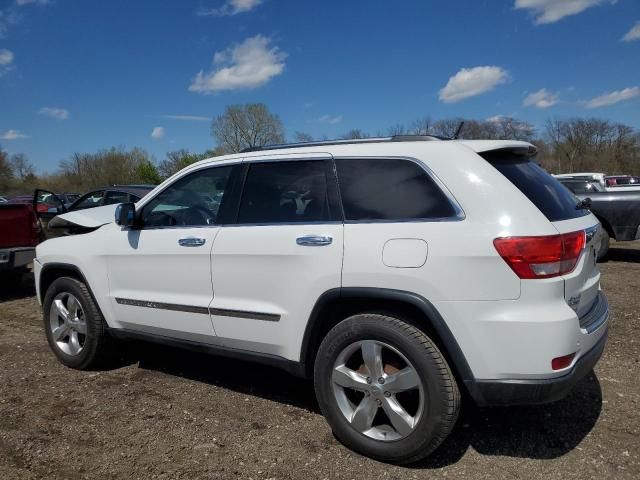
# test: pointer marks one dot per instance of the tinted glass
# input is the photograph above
(193, 200)
(545, 192)
(90, 200)
(116, 197)
(390, 189)
(285, 192)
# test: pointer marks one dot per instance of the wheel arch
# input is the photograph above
(606, 225)
(337, 304)
(52, 271)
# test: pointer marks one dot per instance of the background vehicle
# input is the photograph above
(395, 271)
(20, 232)
(610, 183)
(618, 210)
(95, 198)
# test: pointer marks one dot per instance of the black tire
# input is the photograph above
(98, 350)
(441, 393)
(603, 251)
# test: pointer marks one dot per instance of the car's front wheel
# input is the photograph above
(75, 327)
(385, 388)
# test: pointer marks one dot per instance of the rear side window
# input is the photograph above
(554, 200)
(389, 189)
(285, 192)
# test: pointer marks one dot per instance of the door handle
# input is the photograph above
(191, 242)
(314, 240)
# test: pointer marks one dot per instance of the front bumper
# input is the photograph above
(538, 391)
(13, 258)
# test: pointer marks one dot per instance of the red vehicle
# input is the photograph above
(20, 232)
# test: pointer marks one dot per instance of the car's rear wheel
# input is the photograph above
(74, 326)
(385, 388)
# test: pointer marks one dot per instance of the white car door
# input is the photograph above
(160, 272)
(284, 251)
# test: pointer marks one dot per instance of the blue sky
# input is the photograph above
(84, 75)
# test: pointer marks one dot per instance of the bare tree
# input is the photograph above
(446, 127)
(22, 168)
(397, 129)
(302, 137)
(6, 173)
(420, 126)
(246, 126)
(354, 134)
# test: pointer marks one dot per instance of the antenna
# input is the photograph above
(458, 130)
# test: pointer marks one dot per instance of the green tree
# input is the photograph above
(146, 172)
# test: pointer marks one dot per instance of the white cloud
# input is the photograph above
(541, 99)
(249, 64)
(609, 98)
(27, 2)
(496, 118)
(550, 11)
(193, 118)
(13, 135)
(330, 119)
(157, 133)
(6, 57)
(53, 112)
(307, 105)
(633, 34)
(230, 7)
(469, 82)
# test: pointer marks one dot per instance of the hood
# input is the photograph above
(89, 218)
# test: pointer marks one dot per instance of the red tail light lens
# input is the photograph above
(541, 257)
(559, 363)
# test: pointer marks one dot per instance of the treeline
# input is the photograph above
(564, 145)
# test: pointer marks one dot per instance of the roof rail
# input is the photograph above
(394, 138)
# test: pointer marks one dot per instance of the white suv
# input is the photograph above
(398, 273)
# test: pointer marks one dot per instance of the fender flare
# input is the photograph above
(431, 315)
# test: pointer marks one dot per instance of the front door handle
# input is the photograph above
(314, 240)
(191, 242)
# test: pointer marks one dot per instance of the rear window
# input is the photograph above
(545, 192)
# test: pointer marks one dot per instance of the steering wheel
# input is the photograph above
(197, 215)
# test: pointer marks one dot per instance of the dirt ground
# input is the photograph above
(172, 414)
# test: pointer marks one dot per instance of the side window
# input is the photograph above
(90, 200)
(389, 189)
(285, 192)
(193, 200)
(116, 197)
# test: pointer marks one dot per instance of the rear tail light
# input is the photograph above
(559, 363)
(541, 257)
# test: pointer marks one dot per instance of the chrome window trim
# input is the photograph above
(164, 227)
(459, 212)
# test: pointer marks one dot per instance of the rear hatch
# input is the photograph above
(562, 209)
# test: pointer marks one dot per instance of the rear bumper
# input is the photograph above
(12, 258)
(539, 391)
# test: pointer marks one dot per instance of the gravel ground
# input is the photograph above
(171, 414)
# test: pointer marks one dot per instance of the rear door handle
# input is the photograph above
(191, 242)
(314, 240)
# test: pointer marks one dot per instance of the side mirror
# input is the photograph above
(126, 214)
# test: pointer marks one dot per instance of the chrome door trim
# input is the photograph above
(314, 240)
(223, 312)
(162, 306)
(192, 241)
